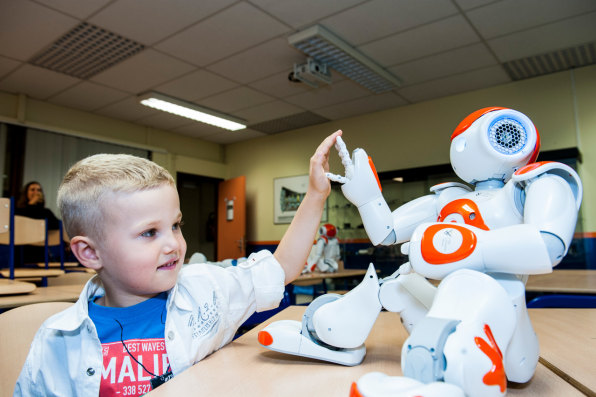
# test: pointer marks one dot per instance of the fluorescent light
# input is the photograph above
(324, 46)
(191, 111)
(398, 179)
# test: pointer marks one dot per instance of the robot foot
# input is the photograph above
(285, 336)
(377, 384)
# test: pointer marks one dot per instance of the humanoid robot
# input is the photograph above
(472, 333)
(325, 254)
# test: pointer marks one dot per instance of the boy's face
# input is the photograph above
(143, 248)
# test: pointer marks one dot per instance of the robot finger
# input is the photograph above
(336, 178)
(344, 155)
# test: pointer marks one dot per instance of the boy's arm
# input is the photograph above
(297, 242)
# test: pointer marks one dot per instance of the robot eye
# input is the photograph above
(507, 135)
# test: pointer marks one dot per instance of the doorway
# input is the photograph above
(198, 203)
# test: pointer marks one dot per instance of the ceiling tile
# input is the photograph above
(76, 8)
(554, 36)
(267, 111)
(469, 4)
(36, 82)
(476, 56)
(128, 109)
(439, 36)
(87, 96)
(139, 72)
(369, 104)
(500, 18)
(279, 86)
(7, 66)
(199, 130)
(264, 60)
(473, 80)
(148, 21)
(196, 85)
(329, 95)
(380, 18)
(238, 98)
(224, 34)
(19, 18)
(233, 136)
(165, 121)
(303, 12)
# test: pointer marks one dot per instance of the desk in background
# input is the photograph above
(63, 293)
(245, 368)
(564, 281)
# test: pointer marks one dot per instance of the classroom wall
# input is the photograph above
(562, 106)
(175, 152)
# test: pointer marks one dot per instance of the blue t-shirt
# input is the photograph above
(133, 345)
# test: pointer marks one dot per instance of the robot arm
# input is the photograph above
(556, 216)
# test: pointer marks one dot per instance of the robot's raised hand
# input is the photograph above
(344, 155)
(360, 184)
(362, 188)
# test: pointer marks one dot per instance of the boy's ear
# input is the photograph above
(84, 249)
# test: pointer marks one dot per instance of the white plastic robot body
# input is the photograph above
(473, 332)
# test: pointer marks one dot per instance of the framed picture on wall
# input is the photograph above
(288, 193)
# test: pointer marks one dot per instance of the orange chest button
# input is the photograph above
(447, 243)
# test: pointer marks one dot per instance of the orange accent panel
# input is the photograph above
(496, 375)
(431, 255)
(467, 122)
(536, 148)
(531, 167)
(372, 166)
(265, 338)
(354, 392)
(467, 209)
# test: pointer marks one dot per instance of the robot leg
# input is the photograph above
(462, 338)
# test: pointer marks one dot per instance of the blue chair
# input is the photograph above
(563, 301)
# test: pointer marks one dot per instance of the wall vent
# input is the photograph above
(85, 51)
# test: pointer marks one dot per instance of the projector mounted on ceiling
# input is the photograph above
(311, 73)
(327, 49)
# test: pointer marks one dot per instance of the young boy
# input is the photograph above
(143, 320)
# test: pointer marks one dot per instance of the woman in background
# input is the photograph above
(31, 203)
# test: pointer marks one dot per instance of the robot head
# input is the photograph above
(492, 143)
(328, 230)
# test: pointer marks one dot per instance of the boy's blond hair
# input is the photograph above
(81, 193)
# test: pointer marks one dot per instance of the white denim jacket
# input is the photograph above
(205, 308)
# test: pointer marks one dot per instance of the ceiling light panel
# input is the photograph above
(326, 47)
(191, 111)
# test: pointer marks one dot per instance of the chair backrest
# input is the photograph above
(26, 231)
(72, 278)
(17, 328)
(4, 215)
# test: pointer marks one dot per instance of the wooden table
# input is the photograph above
(32, 273)
(245, 368)
(14, 287)
(62, 293)
(568, 344)
(320, 276)
(581, 281)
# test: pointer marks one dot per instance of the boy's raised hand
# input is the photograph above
(319, 165)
